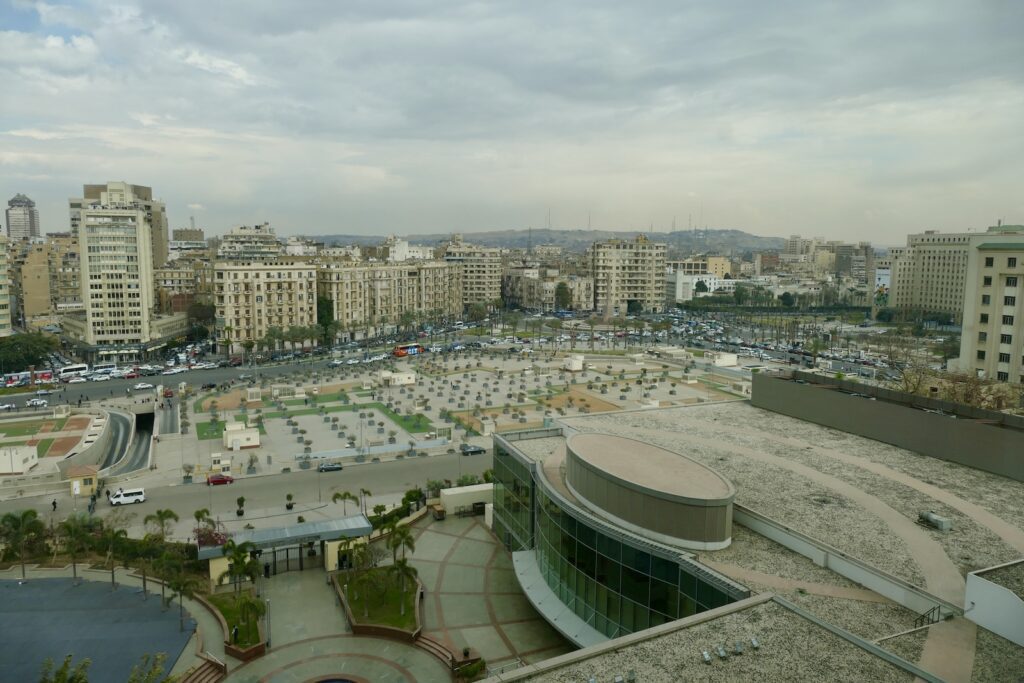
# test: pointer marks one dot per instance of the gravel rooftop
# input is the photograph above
(1010, 577)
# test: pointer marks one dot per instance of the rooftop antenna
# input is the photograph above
(529, 240)
(673, 223)
(588, 220)
(549, 218)
(192, 221)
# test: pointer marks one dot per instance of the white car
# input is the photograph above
(435, 349)
(8, 406)
(37, 403)
(352, 361)
(143, 385)
(77, 380)
(173, 371)
(99, 378)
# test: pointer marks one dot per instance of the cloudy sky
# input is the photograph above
(847, 120)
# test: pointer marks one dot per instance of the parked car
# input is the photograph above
(471, 449)
(8, 406)
(168, 393)
(99, 378)
(329, 467)
(37, 403)
(127, 496)
(208, 385)
(77, 380)
(217, 479)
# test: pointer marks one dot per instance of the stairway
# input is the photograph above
(206, 672)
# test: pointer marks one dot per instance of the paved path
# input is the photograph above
(743, 575)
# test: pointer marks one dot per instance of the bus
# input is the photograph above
(69, 371)
(104, 368)
(408, 350)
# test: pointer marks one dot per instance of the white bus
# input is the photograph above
(69, 371)
(104, 368)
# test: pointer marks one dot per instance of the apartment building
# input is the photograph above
(30, 296)
(250, 243)
(250, 297)
(719, 266)
(65, 273)
(176, 286)
(681, 288)
(536, 289)
(5, 291)
(369, 296)
(928, 276)
(115, 232)
(481, 270)
(992, 341)
(629, 276)
(397, 250)
(188, 235)
(22, 218)
(119, 193)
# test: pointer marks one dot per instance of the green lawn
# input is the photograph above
(384, 606)
(205, 430)
(30, 428)
(43, 446)
(248, 634)
(305, 411)
(410, 423)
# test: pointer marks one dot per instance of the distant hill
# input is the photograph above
(723, 241)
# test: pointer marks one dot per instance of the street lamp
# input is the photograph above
(268, 623)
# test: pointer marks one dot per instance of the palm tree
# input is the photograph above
(226, 335)
(363, 495)
(406, 320)
(344, 497)
(202, 517)
(166, 566)
(275, 335)
(75, 530)
(160, 521)
(592, 323)
(241, 564)
(402, 571)
(113, 533)
(184, 585)
(19, 530)
(250, 609)
(401, 538)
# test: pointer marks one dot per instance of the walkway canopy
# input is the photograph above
(296, 534)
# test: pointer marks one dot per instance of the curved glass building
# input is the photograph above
(599, 525)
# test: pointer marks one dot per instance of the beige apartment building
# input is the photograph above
(252, 296)
(119, 323)
(250, 243)
(629, 276)
(719, 266)
(119, 193)
(44, 277)
(929, 274)
(992, 341)
(370, 296)
(481, 270)
(5, 291)
(535, 288)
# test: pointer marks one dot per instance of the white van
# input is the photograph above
(128, 496)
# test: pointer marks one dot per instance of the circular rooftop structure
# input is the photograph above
(651, 491)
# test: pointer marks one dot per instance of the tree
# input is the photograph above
(183, 585)
(344, 497)
(787, 299)
(75, 530)
(150, 669)
(20, 351)
(226, 336)
(65, 674)
(247, 347)
(403, 572)
(363, 495)
(401, 538)
(114, 533)
(20, 531)
(701, 287)
(201, 314)
(406, 320)
(241, 564)
(592, 324)
(250, 609)
(477, 312)
(563, 296)
(741, 295)
(324, 313)
(160, 520)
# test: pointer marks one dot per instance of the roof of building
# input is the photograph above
(650, 467)
(1001, 246)
(329, 530)
(76, 471)
(1010, 576)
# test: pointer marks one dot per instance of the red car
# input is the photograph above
(218, 479)
(168, 393)
(134, 374)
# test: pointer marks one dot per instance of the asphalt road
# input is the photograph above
(268, 492)
(121, 427)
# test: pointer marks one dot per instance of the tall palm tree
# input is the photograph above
(166, 566)
(363, 495)
(202, 517)
(402, 571)
(241, 564)
(401, 538)
(160, 520)
(20, 530)
(75, 530)
(113, 534)
(344, 497)
(226, 335)
(183, 585)
(592, 323)
(250, 609)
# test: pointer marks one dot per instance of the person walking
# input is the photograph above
(54, 504)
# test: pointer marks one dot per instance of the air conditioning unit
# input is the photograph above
(935, 521)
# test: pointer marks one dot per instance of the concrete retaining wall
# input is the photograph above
(995, 607)
(986, 440)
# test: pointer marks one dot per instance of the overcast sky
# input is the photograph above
(846, 120)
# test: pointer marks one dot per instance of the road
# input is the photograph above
(386, 481)
(121, 427)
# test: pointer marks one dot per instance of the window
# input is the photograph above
(984, 318)
(986, 299)
(1004, 358)
(1006, 339)
(983, 336)
(989, 261)
(1011, 282)
(1007, 319)
(1009, 301)
(1003, 376)
(1011, 262)
(986, 281)
(981, 355)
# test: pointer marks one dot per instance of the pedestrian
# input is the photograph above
(54, 504)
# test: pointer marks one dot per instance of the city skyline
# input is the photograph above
(774, 121)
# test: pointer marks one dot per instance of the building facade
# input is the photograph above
(121, 194)
(250, 243)
(719, 266)
(368, 296)
(6, 310)
(253, 296)
(992, 341)
(22, 218)
(928, 276)
(119, 320)
(629, 276)
(536, 289)
(481, 270)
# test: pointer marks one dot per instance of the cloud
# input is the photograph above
(196, 207)
(418, 117)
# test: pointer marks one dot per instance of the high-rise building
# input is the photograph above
(481, 270)
(369, 296)
(119, 193)
(22, 218)
(629, 276)
(31, 281)
(719, 266)
(928, 275)
(116, 229)
(252, 296)
(249, 243)
(5, 291)
(992, 341)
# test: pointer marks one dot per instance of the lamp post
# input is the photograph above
(268, 623)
